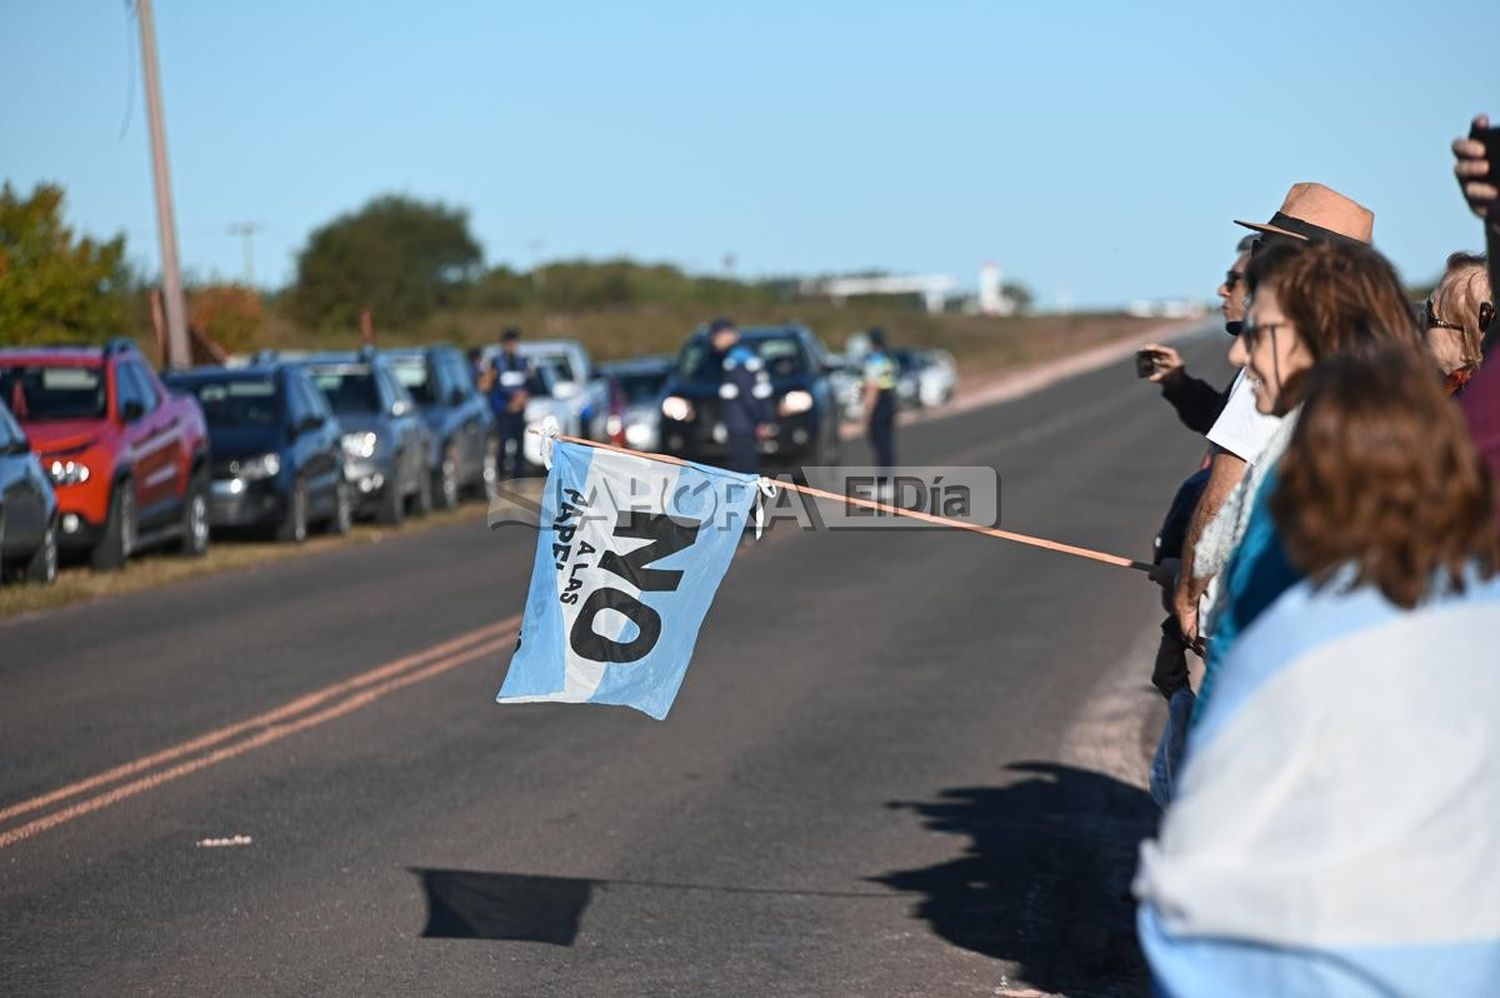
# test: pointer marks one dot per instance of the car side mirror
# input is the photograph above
(457, 397)
(308, 424)
(132, 410)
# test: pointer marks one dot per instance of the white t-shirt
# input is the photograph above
(1241, 429)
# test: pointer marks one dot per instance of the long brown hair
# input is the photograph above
(1380, 474)
(1343, 297)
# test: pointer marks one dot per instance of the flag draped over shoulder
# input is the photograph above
(1336, 828)
(630, 555)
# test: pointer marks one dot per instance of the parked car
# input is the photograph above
(571, 377)
(847, 381)
(464, 438)
(387, 445)
(804, 427)
(635, 392)
(128, 459)
(278, 456)
(28, 509)
(543, 405)
(909, 366)
(937, 381)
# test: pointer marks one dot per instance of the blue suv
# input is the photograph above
(387, 446)
(464, 437)
(804, 427)
(277, 449)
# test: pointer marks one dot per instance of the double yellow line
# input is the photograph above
(148, 772)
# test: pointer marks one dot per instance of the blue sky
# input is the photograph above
(1095, 150)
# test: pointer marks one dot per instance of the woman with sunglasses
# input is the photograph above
(1456, 318)
(1309, 302)
(1333, 831)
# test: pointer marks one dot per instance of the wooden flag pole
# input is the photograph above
(942, 521)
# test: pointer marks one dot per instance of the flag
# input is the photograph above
(1334, 829)
(630, 554)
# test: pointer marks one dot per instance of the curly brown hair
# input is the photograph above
(1380, 474)
(1343, 297)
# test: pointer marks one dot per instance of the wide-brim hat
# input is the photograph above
(1313, 211)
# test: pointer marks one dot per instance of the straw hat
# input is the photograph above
(1313, 211)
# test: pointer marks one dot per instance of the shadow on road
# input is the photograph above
(1044, 882)
(463, 904)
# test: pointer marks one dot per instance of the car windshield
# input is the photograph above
(557, 365)
(782, 355)
(908, 360)
(641, 387)
(348, 388)
(237, 401)
(43, 391)
(412, 372)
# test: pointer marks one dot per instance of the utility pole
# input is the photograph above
(246, 231)
(178, 354)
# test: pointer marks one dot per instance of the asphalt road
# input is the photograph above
(900, 763)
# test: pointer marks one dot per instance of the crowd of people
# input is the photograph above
(1330, 767)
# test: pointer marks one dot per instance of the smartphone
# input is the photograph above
(1146, 363)
(1491, 139)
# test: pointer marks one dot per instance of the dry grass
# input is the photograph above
(76, 584)
(980, 343)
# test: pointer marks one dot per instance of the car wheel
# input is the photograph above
(113, 548)
(293, 526)
(490, 475)
(342, 520)
(421, 500)
(447, 483)
(392, 506)
(194, 542)
(42, 568)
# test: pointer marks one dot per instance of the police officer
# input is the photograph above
(745, 392)
(507, 390)
(880, 405)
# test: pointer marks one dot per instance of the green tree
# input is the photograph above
(53, 284)
(399, 257)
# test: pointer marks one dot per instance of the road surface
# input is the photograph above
(903, 763)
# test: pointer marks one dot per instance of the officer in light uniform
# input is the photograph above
(880, 406)
(745, 393)
(508, 394)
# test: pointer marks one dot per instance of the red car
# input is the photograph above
(128, 459)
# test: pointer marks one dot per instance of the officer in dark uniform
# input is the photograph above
(880, 405)
(745, 394)
(508, 394)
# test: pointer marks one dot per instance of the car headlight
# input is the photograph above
(68, 472)
(360, 445)
(676, 407)
(613, 424)
(638, 434)
(256, 468)
(796, 401)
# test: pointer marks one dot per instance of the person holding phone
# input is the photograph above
(1197, 402)
(1478, 173)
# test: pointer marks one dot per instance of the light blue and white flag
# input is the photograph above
(630, 555)
(1336, 827)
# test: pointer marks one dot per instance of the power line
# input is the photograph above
(246, 231)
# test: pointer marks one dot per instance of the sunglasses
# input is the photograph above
(1232, 279)
(1251, 333)
(1431, 321)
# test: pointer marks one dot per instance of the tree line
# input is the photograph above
(399, 258)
